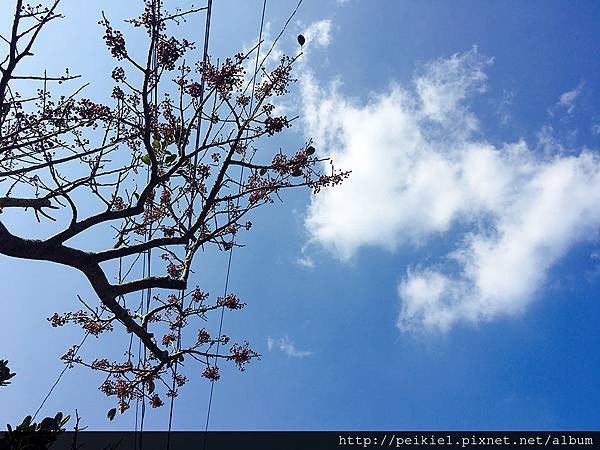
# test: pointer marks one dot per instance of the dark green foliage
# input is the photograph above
(5, 373)
(31, 435)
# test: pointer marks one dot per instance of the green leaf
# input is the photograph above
(170, 159)
(146, 159)
(301, 40)
(48, 423)
(150, 386)
(263, 171)
(111, 413)
(26, 422)
(297, 173)
(156, 143)
(310, 150)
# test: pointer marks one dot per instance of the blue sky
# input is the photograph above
(451, 283)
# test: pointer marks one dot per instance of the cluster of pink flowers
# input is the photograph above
(211, 372)
(171, 130)
(165, 197)
(87, 109)
(169, 338)
(277, 81)
(180, 380)
(231, 301)
(243, 100)
(276, 124)
(116, 384)
(168, 231)
(203, 337)
(57, 320)
(242, 354)
(118, 203)
(174, 271)
(194, 89)
(170, 50)
(225, 78)
(148, 18)
(117, 93)
(199, 296)
(118, 74)
(99, 364)
(70, 355)
(329, 180)
(156, 402)
(94, 326)
(114, 40)
(261, 189)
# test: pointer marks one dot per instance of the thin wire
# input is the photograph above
(155, 36)
(59, 377)
(62, 372)
(198, 128)
(212, 385)
(137, 404)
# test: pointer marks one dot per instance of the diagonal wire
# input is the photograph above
(59, 377)
(198, 130)
(212, 385)
(156, 4)
(78, 347)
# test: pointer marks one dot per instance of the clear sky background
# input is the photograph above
(452, 283)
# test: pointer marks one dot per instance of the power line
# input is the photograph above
(197, 143)
(77, 348)
(156, 4)
(212, 385)
(67, 365)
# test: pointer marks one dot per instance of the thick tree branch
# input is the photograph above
(149, 283)
(36, 203)
(138, 248)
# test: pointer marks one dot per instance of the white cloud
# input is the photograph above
(418, 171)
(504, 106)
(268, 47)
(287, 347)
(306, 261)
(446, 83)
(318, 34)
(547, 142)
(567, 99)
